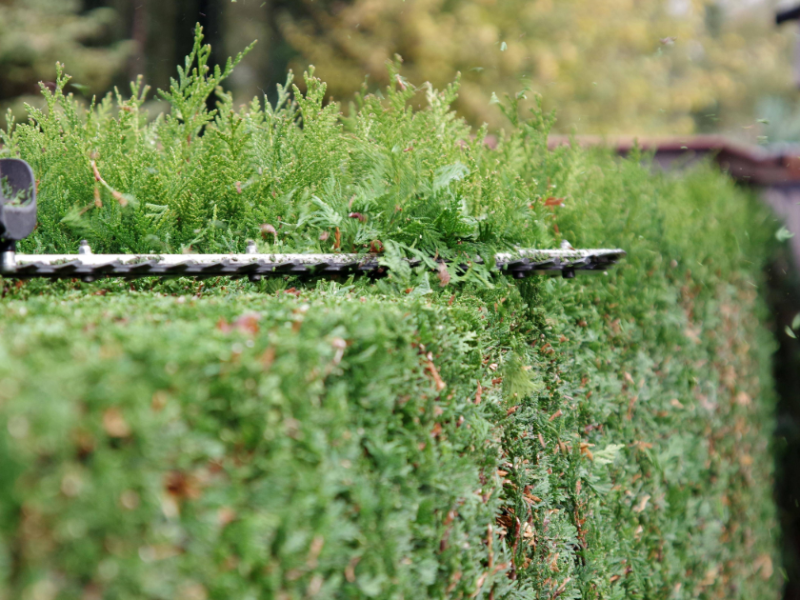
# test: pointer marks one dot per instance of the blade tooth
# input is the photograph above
(367, 266)
(515, 264)
(66, 268)
(240, 268)
(330, 267)
(312, 268)
(334, 268)
(581, 263)
(211, 268)
(36, 268)
(608, 259)
(300, 268)
(193, 269)
(178, 268)
(109, 267)
(138, 268)
(517, 267)
(283, 267)
(545, 265)
(264, 267)
(294, 267)
(230, 267)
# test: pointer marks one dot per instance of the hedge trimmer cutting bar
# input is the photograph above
(89, 266)
(18, 219)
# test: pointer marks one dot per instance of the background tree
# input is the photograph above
(34, 34)
(617, 66)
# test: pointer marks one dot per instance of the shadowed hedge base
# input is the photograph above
(420, 437)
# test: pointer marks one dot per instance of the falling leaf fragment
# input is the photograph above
(642, 504)
(763, 564)
(114, 424)
(267, 229)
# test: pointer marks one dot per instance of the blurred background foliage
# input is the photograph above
(610, 67)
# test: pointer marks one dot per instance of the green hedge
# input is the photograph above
(605, 437)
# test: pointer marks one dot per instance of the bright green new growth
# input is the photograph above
(603, 438)
(210, 179)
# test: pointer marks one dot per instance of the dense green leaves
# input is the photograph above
(460, 436)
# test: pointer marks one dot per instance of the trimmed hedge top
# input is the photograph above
(455, 438)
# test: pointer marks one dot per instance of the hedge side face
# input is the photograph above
(459, 437)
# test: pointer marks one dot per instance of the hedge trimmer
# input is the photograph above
(18, 220)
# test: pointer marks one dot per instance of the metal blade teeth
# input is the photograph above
(89, 267)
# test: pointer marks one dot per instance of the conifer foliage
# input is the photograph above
(429, 435)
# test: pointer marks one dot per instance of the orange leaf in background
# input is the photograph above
(554, 201)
